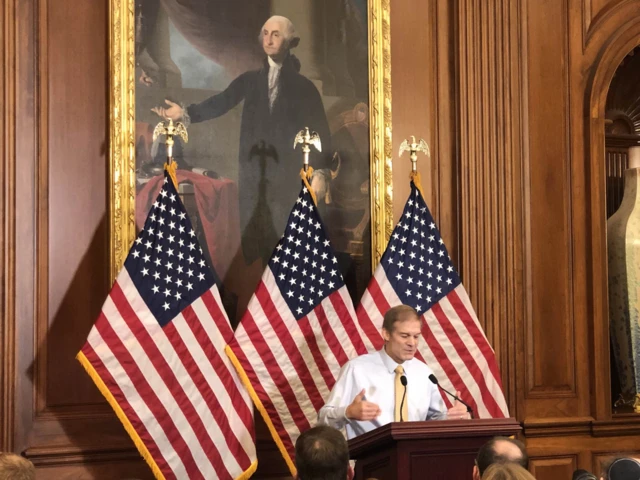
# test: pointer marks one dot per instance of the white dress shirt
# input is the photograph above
(375, 373)
(274, 76)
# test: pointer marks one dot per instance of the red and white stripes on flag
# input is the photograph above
(416, 270)
(157, 355)
(298, 330)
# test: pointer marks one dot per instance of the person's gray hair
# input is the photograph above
(288, 30)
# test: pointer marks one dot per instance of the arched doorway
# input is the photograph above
(604, 189)
(622, 137)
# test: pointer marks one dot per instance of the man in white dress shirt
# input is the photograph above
(364, 396)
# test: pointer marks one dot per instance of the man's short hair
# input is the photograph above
(322, 454)
(15, 467)
(398, 313)
(487, 454)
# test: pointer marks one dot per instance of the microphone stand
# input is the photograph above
(434, 380)
(455, 397)
(403, 381)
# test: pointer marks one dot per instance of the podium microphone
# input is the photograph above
(403, 381)
(434, 380)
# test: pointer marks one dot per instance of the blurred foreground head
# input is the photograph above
(15, 467)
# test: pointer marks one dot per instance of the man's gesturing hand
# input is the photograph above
(458, 411)
(361, 409)
(174, 111)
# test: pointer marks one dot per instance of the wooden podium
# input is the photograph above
(433, 450)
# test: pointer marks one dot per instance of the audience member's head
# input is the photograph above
(15, 467)
(622, 469)
(500, 450)
(506, 471)
(582, 474)
(322, 454)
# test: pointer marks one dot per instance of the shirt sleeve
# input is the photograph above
(437, 410)
(221, 103)
(333, 413)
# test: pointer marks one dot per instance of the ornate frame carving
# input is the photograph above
(122, 125)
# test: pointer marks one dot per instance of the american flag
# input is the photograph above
(156, 353)
(416, 270)
(298, 330)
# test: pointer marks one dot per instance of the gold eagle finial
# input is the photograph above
(413, 148)
(307, 138)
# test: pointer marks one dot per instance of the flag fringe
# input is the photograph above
(306, 176)
(256, 401)
(415, 178)
(248, 472)
(121, 415)
(171, 169)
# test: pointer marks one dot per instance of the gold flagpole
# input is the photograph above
(413, 148)
(169, 130)
(307, 138)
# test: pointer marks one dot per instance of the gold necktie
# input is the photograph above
(399, 392)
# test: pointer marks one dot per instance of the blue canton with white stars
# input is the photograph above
(166, 262)
(416, 261)
(303, 263)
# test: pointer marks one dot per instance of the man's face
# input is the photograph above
(401, 344)
(273, 41)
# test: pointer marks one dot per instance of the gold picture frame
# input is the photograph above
(122, 162)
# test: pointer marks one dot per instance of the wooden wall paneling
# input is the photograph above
(594, 10)
(7, 154)
(422, 58)
(76, 468)
(553, 468)
(445, 160)
(20, 276)
(586, 451)
(551, 371)
(489, 81)
(412, 70)
(600, 460)
(77, 268)
(54, 205)
(72, 268)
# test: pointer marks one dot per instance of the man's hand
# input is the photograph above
(174, 112)
(145, 79)
(458, 411)
(361, 409)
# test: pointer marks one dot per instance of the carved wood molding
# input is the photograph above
(490, 171)
(619, 426)
(557, 466)
(7, 226)
(67, 455)
(557, 427)
(41, 272)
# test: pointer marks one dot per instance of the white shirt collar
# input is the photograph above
(389, 362)
(273, 63)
